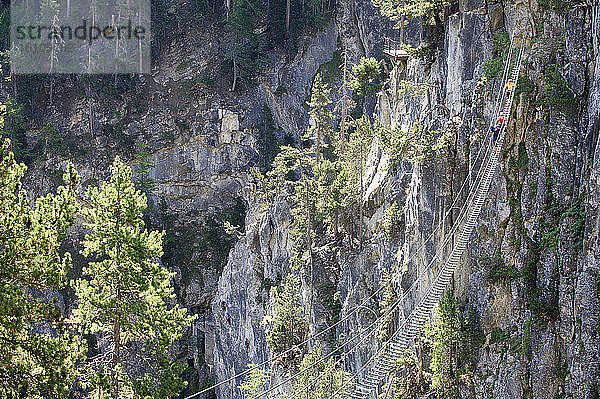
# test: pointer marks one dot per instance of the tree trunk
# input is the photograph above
(360, 200)
(318, 142)
(116, 357)
(287, 18)
(310, 255)
(344, 103)
(234, 75)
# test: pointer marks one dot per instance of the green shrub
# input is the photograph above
(13, 128)
(191, 87)
(51, 142)
(366, 79)
(424, 51)
(543, 307)
(493, 67)
(431, 12)
(560, 6)
(557, 91)
(576, 212)
(416, 145)
(454, 338)
(499, 271)
(391, 220)
(407, 382)
(499, 335)
(524, 85)
(288, 324)
(525, 339)
(331, 70)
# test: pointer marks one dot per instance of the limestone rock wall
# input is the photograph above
(203, 139)
(550, 159)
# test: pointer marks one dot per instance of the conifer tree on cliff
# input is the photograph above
(125, 297)
(320, 101)
(365, 81)
(242, 43)
(37, 352)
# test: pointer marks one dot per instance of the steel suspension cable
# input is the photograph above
(492, 164)
(507, 71)
(464, 209)
(364, 302)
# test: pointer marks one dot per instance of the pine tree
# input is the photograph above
(346, 105)
(365, 80)
(445, 341)
(431, 10)
(37, 351)
(288, 325)
(276, 14)
(143, 181)
(283, 175)
(255, 382)
(323, 377)
(49, 11)
(353, 163)
(126, 297)
(329, 198)
(320, 100)
(13, 129)
(242, 43)
(386, 304)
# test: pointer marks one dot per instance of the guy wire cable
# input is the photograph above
(365, 301)
(394, 306)
(396, 303)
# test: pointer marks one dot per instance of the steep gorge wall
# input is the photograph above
(550, 159)
(203, 141)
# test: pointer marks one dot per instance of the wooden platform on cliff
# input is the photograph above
(394, 49)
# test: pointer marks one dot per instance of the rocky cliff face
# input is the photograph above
(540, 219)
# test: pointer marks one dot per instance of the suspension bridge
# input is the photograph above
(366, 381)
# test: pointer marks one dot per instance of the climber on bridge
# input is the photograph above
(509, 86)
(500, 122)
(495, 131)
(497, 128)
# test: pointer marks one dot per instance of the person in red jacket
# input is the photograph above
(500, 122)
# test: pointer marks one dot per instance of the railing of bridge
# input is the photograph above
(391, 46)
